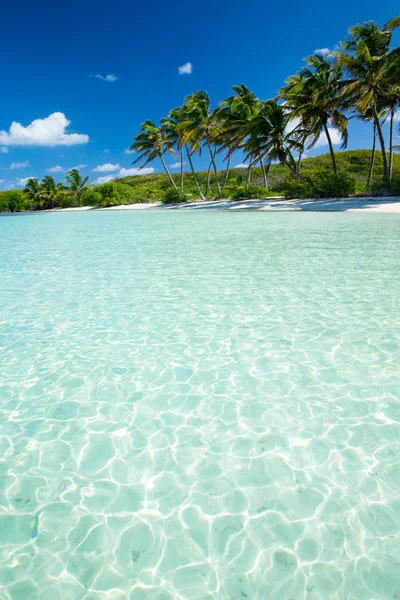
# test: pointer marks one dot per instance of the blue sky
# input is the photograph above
(52, 53)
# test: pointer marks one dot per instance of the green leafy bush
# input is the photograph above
(253, 191)
(13, 201)
(173, 196)
(91, 197)
(322, 184)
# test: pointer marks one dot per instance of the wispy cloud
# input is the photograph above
(124, 173)
(49, 131)
(104, 179)
(4, 150)
(322, 51)
(19, 165)
(78, 167)
(129, 151)
(56, 169)
(106, 167)
(135, 171)
(323, 141)
(176, 165)
(241, 166)
(110, 77)
(23, 181)
(106, 151)
(185, 69)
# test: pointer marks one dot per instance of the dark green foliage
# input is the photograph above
(91, 197)
(323, 184)
(253, 191)
(13, 201)
(173, 196)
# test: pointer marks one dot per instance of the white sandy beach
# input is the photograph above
(370, 205)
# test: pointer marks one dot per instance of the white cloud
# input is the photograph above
(19, 165)
(176, 165)
(110, 77)
(129, 151)
(397, 115)
(106, 151)
(135, 171)
(42, 132)
(185, 69)
(4, 150)
(322, 51)
(123, 173)
(78, 167)
(104, 179)
(23, 181)
(322, 140)
(2, 180)
(106, 167)
(241, 166)
(56, 169)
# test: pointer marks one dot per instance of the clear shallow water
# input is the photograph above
(199, 406)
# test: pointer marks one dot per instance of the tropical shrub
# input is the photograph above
(322, 184)
(172, 196)
(253, 191)
(13, 201)
(90, 197)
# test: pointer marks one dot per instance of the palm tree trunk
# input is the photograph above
(208, 178)
(328, 137)
(228, 167)
(371, 166)
(248, 176)
(215, 171)
(391, 143)
(167, 172)
(194, 174)
(299, 166)
(264, 174)
(182, 169)
(382, 143)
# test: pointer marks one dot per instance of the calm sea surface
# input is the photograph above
(199, 405)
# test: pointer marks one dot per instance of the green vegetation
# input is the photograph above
(361, 80)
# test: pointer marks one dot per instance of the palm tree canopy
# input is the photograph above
(77, 183)
(270, 135)
(314, 97)
(151, 142)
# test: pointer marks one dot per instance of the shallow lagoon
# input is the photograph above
(199, 405)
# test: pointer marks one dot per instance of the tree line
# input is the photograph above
(360, 80)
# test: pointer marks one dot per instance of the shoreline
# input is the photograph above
(364, 204)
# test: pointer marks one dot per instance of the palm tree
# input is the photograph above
(151, 142)
(77, 183)
(368, 60)
(234, 114)
(50, 190)
(170, 125)
(33, 191)
(199, 127)
(314, 97)
(271, 138)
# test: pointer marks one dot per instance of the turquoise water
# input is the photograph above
(199, 405)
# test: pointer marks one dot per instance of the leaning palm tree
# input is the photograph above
(50, 190)
(270, 137)
(234, 115)
(77, 183)
(314, 97)
(151, 142)
(368, 59)
(199, 127)
(170, 127)
(33, 191)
